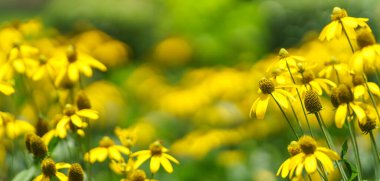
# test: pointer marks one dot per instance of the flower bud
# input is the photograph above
(312, 102)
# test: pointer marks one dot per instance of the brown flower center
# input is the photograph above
(156, 148)
(266, 86)
(48, 167)
(338, 13)
(345, 94)
(307, 144)
(312, 102)
(106, 142)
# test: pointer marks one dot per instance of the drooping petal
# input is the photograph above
(261, 106)
(331, 154)
(122, 149)
(374, 88)
(325, 160)
(61, 176)
(170, 158)
(155, 164)
(281, 99)
(62, 165)
(340, 115)
(140, 160)
(88, 113)
(166, 164)
(359, 112)
(76, 120)
(114, 153)
(73, 72)
(310, 164)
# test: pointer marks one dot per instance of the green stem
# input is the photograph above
(371, 96)
(286, 117)
(348, 38)
(355, 146)
(337, 74)
(374, 145)
(299, 97)
(330, 143)
(296, 117)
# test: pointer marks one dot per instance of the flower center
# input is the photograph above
(71, 54)
(308, 76)
(76, 173)
(155, 148)
(357, 80)
(138, 175)
(312, 102)
(69, 110)
(106, 142)
(345, 94)
(308, 144)
(266, 86)
(365, 37)
(48, 167)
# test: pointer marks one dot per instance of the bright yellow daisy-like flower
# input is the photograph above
(308, 157)
(50, 170)
(343, 99)
(107, 148)
(158, 155)
(309, 81)
(73, 117)
(13, 128)
(293, 149)
(77, 62)
(268, 89)
(333, 66)
(127, 137)
(286, 60)
(341, 20)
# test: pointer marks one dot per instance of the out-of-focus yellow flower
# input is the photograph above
(50, 169)
(77, 62)
(74, 117)
(107, 148)
(345, 105)
(127, 136)
(13, 128)
(158, 155)
(309, 157)
(341, 22)
(6, 88)
(286, 60)
(173, 51)
(268, 89)
(333, 66)
(120, 167)
(360, 87)
(137, 175)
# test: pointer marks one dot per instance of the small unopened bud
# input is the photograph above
(42, 127)
(83, 102)
(338, 13)
(76, 173)
(294, 148)
(48, 167)
(266, 86)
(38, 146)
(312, 102)
(283, 53)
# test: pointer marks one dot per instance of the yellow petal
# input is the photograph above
(114, 154)
(253, 108)
(76, 120)
(38, 178)
(299, 169)
(374, 88)
(62, 165)
(140, 160)
(310, 164)
(325, 160)
(6, 89)
(122, 149)
(155, 164)
(88, 113)
(170, 158)
(61, 176)
(340, 115)
(359, 91)
(261, 106)
(359, 112)
(331, 30)
(166, 164)
(331, 154)
(281, 99)
(73, 72)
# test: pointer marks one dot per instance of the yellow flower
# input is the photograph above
(12, 127)
(285, 58)
(158, 155)
(318, 84)
(309, 157)
(267, 89)
(107, 148)
(73, 117)
(120, 167)
(6, 88)
(77, 62)
(50, 169)
(341, 20)
(333, 66)
(293, 149)
(346, 105)
(360, 87)
(127, 137)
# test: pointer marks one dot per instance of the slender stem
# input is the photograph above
(296, 117)
(377, 74)
(299, 97)
(322, 171)
(286, 117)
(151, 176)
(374, 147)
(348, 38)
(330, 143)
(354, 144)
(337, 74)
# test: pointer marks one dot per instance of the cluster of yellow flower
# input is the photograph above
(46, 72)
(342, 71)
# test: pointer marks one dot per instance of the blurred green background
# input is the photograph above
(176, 46)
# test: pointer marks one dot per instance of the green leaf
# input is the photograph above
(352, 171)
(25, 174)
(53, 143)
(344, 148)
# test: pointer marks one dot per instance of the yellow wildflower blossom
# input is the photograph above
(293, 149)
(341, 20)
(267, 89)
(360, 87)
(50, 169)
(309, 157)
(107, 148)
(158, 155)
(13, 128)
(73, 117)
(77, 62)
